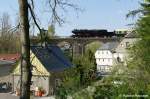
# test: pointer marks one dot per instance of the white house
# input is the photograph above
(105, 57)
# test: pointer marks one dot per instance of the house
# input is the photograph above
(113, 53)
(10, 57)
(105, 56)
(7, 62)
(126, 43)
(48, 65)
(5, 67)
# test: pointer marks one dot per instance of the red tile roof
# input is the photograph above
(10, 57)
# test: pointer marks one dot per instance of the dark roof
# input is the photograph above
(131, 35)
(51, 57)
(109, 46)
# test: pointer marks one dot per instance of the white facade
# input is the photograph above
(103, 57)
(105, 60)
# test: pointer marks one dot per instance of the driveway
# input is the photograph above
(10, 96)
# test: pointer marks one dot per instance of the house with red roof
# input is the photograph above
(7, 63)
(10, 57)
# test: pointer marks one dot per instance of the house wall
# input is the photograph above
(5, 70)
(38, 68)
(48, 83)
(103, 69)
(116, 55)
(6, 78)
(103, 57)
(37, 81)
(104, 60)
(56, 76)
(124, 45)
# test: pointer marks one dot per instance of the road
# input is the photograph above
(10, 96)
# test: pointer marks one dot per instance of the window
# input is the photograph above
(99, 67)
(57, 82)
(107, 52)
(121, 45)
(127, 44)
(120, 32)
(102, 68)
(107, 68)
(118, 59)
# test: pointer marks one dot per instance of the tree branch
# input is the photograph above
(34, 19)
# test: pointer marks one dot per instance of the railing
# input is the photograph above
(67, 37)
(62, 37)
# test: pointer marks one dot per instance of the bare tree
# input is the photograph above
(9, 40)
(5, 24)
(24, 7)
(4, 27)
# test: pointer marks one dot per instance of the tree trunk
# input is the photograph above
(25, 59)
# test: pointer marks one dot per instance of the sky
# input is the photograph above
(95, 14)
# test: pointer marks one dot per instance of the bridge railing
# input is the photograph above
(62, 37)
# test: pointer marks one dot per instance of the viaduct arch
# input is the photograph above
(78, 44)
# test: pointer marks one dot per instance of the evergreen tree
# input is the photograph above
(135, 78)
